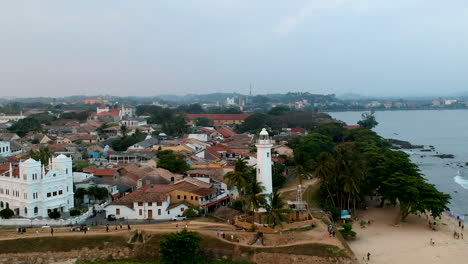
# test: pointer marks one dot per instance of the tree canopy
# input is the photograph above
(180, 247)
(172, 162)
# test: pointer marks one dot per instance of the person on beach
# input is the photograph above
(432, 242)
(52, 231)
(129, 228)
(107, 228)
(459, 223)
(463, 227)
(368, 256)
(333, 232)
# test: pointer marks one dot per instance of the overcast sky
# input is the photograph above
(370, 47)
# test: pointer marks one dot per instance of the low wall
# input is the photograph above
(51, 222)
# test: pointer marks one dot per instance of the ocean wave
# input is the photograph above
(460, 180)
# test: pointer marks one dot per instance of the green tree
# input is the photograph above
(172, 162)
(255, 122)
(80, 193)
(99, 193)
(124, 130)
(279, 110)
(203, 121)
(43, 155)
(276, 210)
(254, 197)
(368, 120)
(192, 212)
(180, 248)
(6, 213)
(24, 126)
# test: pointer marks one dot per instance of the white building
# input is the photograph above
(264, 175)
(32, 190)
(5, 149)
(146, 205)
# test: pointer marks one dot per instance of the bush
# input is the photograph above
(6, 213)
(111, 218)
(75, 212)
(54, 215)
(192, 212)
(237, 205)
(347, 231)
(180, 247)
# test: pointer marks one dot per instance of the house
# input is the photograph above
(146, 204)
(34, 190)
(8, 136)
(218, 119)
(148, 143)
(103, 173)
(283, 150)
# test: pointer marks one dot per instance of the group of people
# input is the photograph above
(116, 227)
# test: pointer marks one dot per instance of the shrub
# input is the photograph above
(75, 212)
(237, 205)
(347, 231)
(192, 212)
(54, 215)
(180, 247)
(6, 213)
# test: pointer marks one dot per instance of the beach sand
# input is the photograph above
(409, 242)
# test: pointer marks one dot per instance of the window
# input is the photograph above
(159, 203)
(182, 209)
(36, 210)
(25, 211)
(185, 197)
(178, 197)
(159, 211)
(25, 176)
(140, 203)
(191, 197)
(196, 198)
(117, 211)
(49, 195)
(55, 194)
(268, 154)
(60, 192)
(141, 212)
(150, 204)
(258, 170)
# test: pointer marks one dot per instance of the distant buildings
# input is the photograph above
(219, 119)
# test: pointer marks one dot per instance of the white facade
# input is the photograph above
(36, 190)
(127, 110)
(264, 175)
(147, 210)
(5, 149)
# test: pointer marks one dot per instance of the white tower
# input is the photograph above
(264, 161)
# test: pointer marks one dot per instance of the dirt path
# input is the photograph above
(285, 239)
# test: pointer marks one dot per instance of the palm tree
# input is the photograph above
(43, 155)
(124, 130)
(254, 197)
(325, 171)
(276, 211)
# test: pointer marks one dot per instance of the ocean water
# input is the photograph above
(446, 130)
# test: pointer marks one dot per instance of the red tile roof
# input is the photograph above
(219, 116)
(225, 132)
(351, 127)
(101, 172)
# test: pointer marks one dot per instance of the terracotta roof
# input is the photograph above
(140, 196)
(351, 127)
(101, 172)
(174, 205)
(219, 116)
(225, 132)
(192, 188)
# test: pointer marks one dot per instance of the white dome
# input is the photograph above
(30, 161)
(61, 157)
(263, 132)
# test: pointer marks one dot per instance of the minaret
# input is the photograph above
(264, 161)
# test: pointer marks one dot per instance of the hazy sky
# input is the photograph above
(371, 47)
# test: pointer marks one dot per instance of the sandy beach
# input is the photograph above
(409, 242)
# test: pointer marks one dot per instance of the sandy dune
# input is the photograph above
(408, 242)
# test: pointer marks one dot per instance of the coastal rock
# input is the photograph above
(403, 144)
(444, 156)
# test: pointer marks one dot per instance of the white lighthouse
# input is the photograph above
(264, 161)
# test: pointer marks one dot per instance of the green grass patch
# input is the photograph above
(59, 244)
